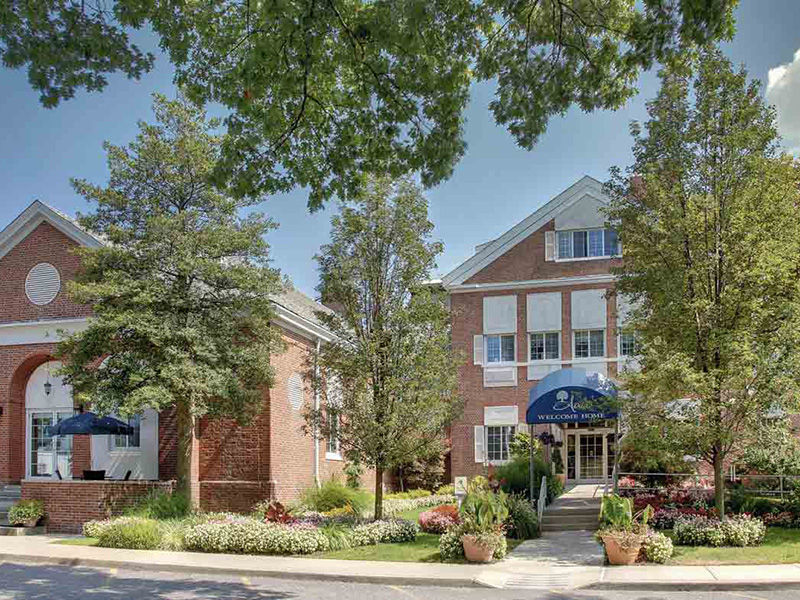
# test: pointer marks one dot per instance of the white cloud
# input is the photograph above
(783, 91)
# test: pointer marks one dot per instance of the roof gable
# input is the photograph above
(491, 251)
(36, 214)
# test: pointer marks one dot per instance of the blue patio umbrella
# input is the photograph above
(88, 423)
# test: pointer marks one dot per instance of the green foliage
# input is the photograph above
(558, 461)
(424, 472)
(484, 511)
(353, 470)
(520, 445)
(515, 476)
(319, 94)
(134, 534)
(333, 494)
(24, 511)
(616, 512)
(181, 294)
(339, 536)
(446, 490)
(522, 522)
(410, 494)
(392, 358)
(715, 303)
(161, 505)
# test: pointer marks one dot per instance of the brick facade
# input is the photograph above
(507, 275)
(237, 466)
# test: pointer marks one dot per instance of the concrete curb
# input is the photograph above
(697, 586)
(277, 574)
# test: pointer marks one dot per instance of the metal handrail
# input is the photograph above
(540, 503)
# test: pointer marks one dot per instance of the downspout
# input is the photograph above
(315, 433)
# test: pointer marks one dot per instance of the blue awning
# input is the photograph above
(572, 396)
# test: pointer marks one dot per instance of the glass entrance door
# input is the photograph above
(591, 455)
(48, 453)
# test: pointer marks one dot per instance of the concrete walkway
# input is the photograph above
(522, 570)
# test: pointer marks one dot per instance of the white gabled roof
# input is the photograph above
(491, 251)
(36, 214)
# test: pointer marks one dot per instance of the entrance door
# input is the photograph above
(592, 463)
(49, 453)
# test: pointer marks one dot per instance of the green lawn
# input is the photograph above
(424, 549)
(81, 541)
(780, 546)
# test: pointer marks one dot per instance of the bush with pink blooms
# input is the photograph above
(439, 519)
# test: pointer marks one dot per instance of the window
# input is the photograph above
(498, 438)
(590, 343)
(333, 432)
(123, 442)
(545, 346)
(627, 344)
(500, 348)
(588, 243)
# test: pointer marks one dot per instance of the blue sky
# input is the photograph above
(496, 184)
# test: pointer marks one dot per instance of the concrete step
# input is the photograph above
(556, 510)
(569, 527)
(560, 520)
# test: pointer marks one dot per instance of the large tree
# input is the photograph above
(322, 90)
(708, 218)
(391, 373)
(181, 290)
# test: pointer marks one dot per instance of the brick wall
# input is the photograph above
(68, 504)
(524, 262)
(43, 244)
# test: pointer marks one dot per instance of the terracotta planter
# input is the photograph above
(617, 555)
(562, 478)
(31, 522)
(475, 552)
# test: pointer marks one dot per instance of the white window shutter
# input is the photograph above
(549, 245)
(477, 349)
(479, 450)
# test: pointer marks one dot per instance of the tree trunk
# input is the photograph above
(719, 485)
(378, 492)
(187, 457)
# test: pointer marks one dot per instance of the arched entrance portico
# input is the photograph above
(581, 405)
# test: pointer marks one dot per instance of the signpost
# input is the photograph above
(460, 486)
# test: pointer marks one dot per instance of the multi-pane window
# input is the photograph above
(500, 348)
(333, 432)
(545, 346)
(590, 343)
(498, 438)
(588, 243)
(123, 442)
(627, 344)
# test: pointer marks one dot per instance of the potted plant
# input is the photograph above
(483, 513)
(27, 513)
(622, 532)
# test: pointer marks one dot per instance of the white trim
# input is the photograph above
(33, 216)
(38, 332)
(300, 325)
(582, 258)
(533, 283)
(585, 186)
(333, 456)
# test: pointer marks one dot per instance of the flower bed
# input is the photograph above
(741, 530)
(438, 519)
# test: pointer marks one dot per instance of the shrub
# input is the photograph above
(426, 473)
(514, 476)
(395, 506)
(446, 490)
(333, 494)
(343, 511)
(657, 547)
(664, 518)
(522, 522)
(134, 533)
(384, 532)
(249, 536)
(439, 519)
(339, 536)
(159, 504)
(408, 495)
(24, 511)
(741, 530)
